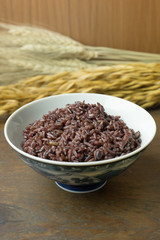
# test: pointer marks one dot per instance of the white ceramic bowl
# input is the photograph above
(87, 176)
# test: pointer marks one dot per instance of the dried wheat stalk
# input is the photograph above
(137, 82)
(29, 51)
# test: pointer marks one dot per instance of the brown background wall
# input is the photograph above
(124, 24)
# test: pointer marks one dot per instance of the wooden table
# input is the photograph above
(34, 208)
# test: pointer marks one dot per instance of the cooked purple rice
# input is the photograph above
(79, 132)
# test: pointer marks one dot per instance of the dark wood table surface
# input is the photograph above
(34, 208)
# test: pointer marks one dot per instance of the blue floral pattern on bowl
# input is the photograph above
(80, 176)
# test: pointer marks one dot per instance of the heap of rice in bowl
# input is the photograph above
(80, 132)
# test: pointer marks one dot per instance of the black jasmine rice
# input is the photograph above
(80, 132)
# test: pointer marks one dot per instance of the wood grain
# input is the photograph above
(34, 208)
(124, 24)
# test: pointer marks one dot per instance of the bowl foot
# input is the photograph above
(81, 188)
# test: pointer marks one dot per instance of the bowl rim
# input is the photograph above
(74, 164)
